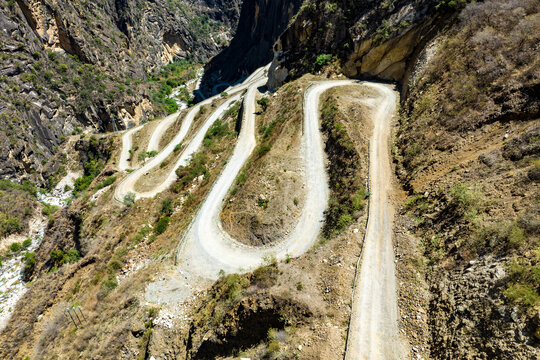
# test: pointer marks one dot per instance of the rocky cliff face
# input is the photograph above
(370, 38)
(67, 66)
(261, 22)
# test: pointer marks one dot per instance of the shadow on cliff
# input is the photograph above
(261, 22)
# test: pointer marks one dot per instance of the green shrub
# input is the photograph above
(524, 281)
(465, 202)
(26, 186)
(166, 207)
(322, 60)
(358, 199)
(71, 256)
(108, 181)
(263, 102)
(241, 179)
(217, 130)
(161, 225)
(129, 199)
(26, 243)
(15, 247)
(171, 106)
(110, 283)
(9, 224)
(114, 265)
(344, 221)
(146, 230)
(48, 209)
(265, 276)
(523, 294)
(91, 169)
(29, 261)
(516, 236)
(234, 286)
(263, 149)
(59, 258)
(274, 347)
(195, 168)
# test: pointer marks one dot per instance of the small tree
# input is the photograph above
(161, 225)
(129, 199)
(263, 102)
(322, 60)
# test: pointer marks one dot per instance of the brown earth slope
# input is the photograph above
(467, 151)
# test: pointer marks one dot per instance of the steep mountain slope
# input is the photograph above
(370, 38)
(467, 150)
(66, 66)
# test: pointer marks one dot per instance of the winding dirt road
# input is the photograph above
(127, 144)
(206, 248)
(127, 185)
(373, 331)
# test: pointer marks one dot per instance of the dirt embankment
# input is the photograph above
(467, 152)
(268, 194)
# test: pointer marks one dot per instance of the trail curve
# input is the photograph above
(206, 248)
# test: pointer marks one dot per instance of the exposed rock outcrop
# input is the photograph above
(370, 39)
(70, 65)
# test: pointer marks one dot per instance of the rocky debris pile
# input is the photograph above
(470, 318)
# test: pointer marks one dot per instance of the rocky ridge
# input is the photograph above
(69, 66)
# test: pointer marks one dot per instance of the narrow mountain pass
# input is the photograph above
(373, 330)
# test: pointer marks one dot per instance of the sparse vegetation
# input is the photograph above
(348, 194)
(59, 257)
(129, 199)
